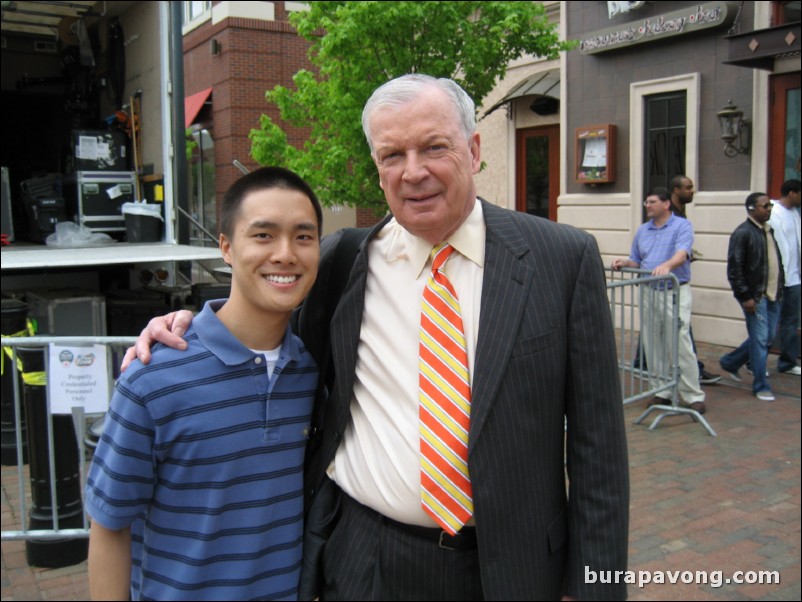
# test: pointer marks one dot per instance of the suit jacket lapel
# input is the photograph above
(346, 324)
(505, 289)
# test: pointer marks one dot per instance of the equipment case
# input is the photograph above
(68, 312)
(97, 198)
(98, 150)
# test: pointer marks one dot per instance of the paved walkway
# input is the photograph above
(699, 503)
(727, 503)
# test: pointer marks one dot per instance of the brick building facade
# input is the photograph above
(240, 50)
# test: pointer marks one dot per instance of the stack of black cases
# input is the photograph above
(100, 181)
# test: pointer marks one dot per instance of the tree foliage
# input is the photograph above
(357, 46)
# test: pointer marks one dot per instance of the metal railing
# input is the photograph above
(19, 503)
(645, 314)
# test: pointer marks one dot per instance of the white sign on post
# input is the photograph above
(79, 377)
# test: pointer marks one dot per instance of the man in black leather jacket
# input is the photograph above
(755, 273)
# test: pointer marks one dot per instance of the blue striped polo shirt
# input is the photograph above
(203, 457)
(653, 246)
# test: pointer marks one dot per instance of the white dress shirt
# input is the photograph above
(786, 224)
(378, 462)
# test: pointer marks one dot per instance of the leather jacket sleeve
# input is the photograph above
(738, 264)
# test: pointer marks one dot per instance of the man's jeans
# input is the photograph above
(789, 318)
(761, 327)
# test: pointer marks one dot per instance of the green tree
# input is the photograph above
(357, 46)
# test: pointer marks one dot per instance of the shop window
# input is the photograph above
(785, 131)
(202, 173)
(665, 127)
(785, 12)
(647, 96)
(195, 13)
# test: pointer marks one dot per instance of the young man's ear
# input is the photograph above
(225, 248)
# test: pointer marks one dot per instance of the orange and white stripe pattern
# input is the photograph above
(445, 402)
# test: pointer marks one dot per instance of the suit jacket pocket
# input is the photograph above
(320, 523)
(536, 344)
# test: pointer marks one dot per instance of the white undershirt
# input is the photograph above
(271, 357)
(378, 462)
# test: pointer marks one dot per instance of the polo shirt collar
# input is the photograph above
(671, 218)
(225, 346)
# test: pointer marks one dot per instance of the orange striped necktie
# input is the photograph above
(445, 401)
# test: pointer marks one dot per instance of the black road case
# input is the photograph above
(97, 197)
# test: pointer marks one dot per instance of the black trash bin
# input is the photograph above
(59, 552)
(14, 316)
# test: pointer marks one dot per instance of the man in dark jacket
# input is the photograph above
(755, 272)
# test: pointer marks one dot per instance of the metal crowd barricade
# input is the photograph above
(20, 504)
(645, 313)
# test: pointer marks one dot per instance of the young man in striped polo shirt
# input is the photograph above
(196, 489)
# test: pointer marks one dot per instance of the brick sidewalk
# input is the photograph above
(699, 503)
(727, 503)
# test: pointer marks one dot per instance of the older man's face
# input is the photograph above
(426, 164)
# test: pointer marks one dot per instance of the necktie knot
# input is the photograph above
(440, 254)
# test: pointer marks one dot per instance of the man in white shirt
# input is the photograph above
(786, 224)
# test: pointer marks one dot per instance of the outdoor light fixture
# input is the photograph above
(734, 130)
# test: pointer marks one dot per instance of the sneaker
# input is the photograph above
(733, 374)
(796, 371)
(765, 395)
(748, 369)
(708, 378)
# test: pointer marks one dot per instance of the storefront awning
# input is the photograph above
(545, 83)
(760, 49)
(193, 104)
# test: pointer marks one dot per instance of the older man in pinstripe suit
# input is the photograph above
(540, 349)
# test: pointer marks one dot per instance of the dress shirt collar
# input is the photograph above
(469, 240)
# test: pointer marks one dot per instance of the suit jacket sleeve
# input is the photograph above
(597, 463)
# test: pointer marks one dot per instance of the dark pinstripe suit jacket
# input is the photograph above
(545, 351)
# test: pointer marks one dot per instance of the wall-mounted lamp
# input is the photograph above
(735, 130)
(215, 46)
